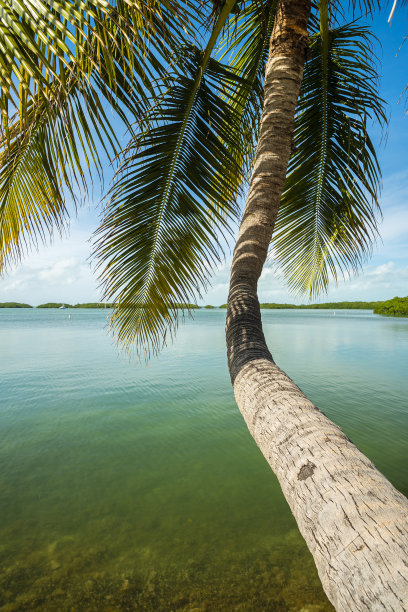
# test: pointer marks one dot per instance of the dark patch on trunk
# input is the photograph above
(306, 470)
(245, 338)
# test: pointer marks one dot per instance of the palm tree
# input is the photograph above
(213, 95)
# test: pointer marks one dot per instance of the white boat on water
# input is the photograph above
(63, 307)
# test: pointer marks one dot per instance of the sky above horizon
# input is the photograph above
(64, 271)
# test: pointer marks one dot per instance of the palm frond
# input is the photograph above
(39, 41)
(50, 143)
(42, 42)
(327, 219)
(46, 155)
(160, 235)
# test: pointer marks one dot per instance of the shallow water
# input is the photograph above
(131, 488)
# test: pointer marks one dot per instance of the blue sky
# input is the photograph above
(63, 271)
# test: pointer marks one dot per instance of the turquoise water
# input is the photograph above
(131, 488)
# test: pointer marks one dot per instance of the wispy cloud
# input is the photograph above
(59, 272)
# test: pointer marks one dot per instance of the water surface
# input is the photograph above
(131, 488)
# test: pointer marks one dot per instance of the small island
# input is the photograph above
(14, 305)
(55, 305)
(94, 305)
(86, 305)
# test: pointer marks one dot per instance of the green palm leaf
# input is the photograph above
(45, 155)
(42, 42)
(51, 142)
(160, 236)
(327, 219)
(39, 41)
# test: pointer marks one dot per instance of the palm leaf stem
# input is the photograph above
(324, 37)
(219, 25)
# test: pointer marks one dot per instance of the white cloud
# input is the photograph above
(66, 280)
(375, 282)
(381, 272)
(58, 272)
(64, 271)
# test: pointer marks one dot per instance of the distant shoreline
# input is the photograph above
(396, 307)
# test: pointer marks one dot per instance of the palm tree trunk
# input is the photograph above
(354, 521)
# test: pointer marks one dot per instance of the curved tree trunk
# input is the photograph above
(354, 521)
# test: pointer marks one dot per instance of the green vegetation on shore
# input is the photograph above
(55, 305)
(342, 305)
(99, 305)
(397, 307)
(187, 306)
(87, 305)
(327, 305)
(14, 305)
(94, 305)
(273, 306)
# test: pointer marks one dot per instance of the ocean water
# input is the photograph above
(125, 487)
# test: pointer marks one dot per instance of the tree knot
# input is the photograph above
(306, 470)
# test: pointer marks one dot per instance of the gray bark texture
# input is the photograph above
(354, 521)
